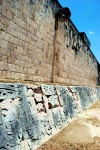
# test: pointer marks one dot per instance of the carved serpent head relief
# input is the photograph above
(62, 15)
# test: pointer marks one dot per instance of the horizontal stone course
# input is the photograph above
(29, 43)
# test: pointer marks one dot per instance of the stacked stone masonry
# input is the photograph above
(33, 50)
(27, 47)
(31, 114)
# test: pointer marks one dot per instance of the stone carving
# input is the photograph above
(85, 38)
(30, 114)
(30, 93)
(48, 89)
(63, 14)
(53, 100)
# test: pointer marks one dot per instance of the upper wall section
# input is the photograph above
(32, 50)
(74, 61)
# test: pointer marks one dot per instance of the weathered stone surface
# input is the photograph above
(30, 93)
(48, 89)
(38, 97)
(29, 114)
(28, 45)
(28, 117)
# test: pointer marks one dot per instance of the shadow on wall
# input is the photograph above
(98, 80)
(30, 114)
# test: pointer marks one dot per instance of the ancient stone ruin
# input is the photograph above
(48, 73)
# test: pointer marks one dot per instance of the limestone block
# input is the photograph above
(67, 105)
(11, 93)
(32, 105)
(8, 128)
(2, 85)
(40, 107)
(25, 145)
(7, 116)
(22, 90)
(45, 100)
(11, 86)
(46, 127)
(83, 97)
(3, 135)
(6, 104)
(25, 135)
(2, 142)
(30, 93)
(14, 128)
(3, 44)
(16, 102)
(27, 116)
(18, 147)
(48, 89)
(61, 89)
(62, 115)
(56, 115)
(38, 97)
(35, 134)
(74, 94)
(3, 94)
(53, 100)
(10, 46)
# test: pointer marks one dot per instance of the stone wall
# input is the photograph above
(26, 39)
(32, 50)
(31, 114)
(74, 62)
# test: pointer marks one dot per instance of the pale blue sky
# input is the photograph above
(86, 17)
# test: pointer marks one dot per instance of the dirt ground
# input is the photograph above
(81, 134)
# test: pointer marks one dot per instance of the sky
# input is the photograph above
(85, 14)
